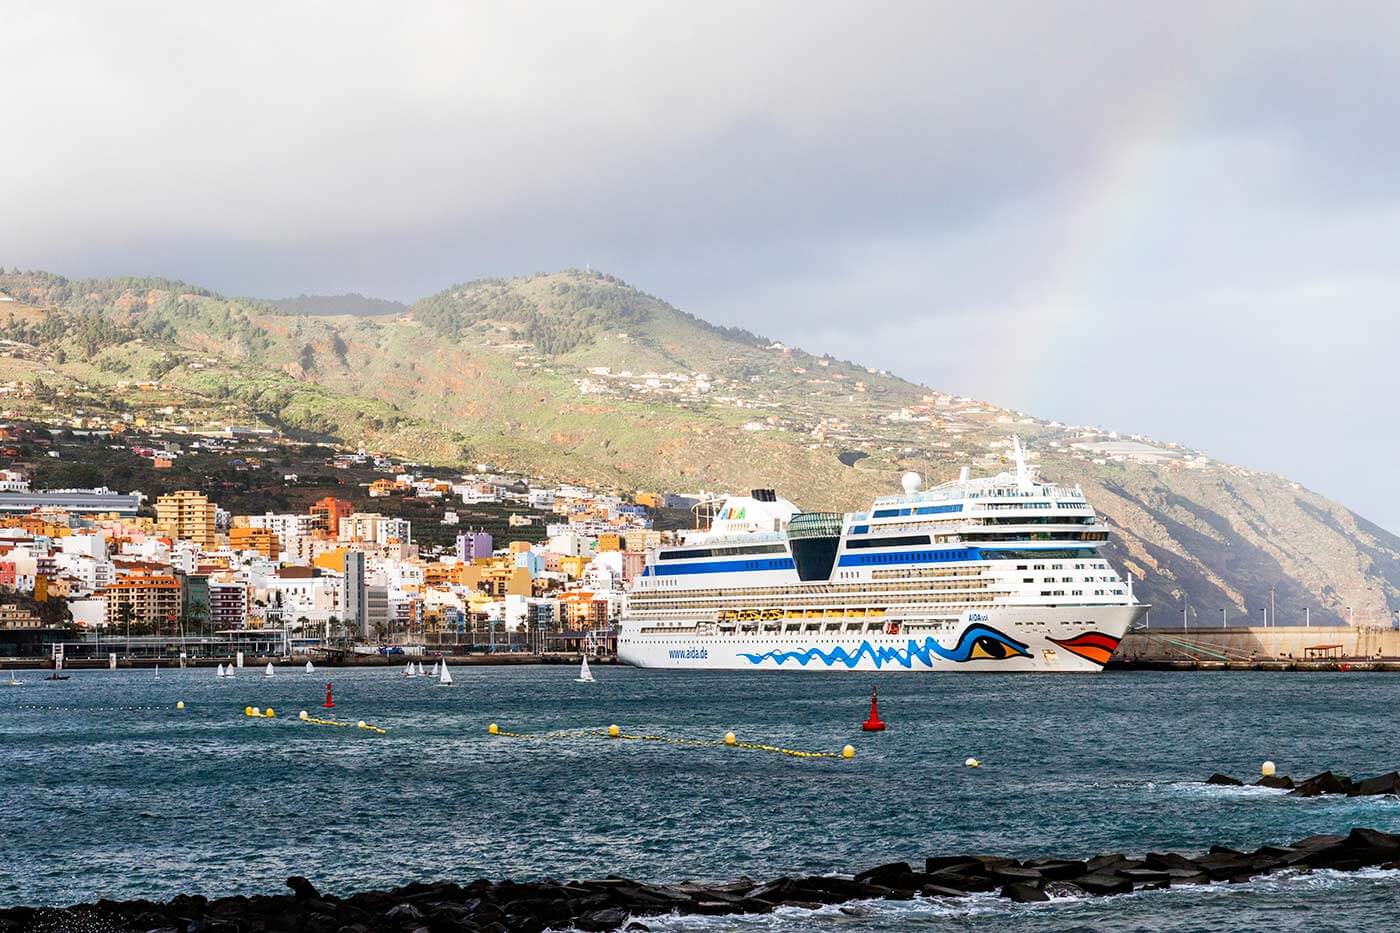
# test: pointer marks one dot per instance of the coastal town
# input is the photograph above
(497, 563)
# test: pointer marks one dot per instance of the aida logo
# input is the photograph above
(732, 514)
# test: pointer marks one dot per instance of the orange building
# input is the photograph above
(329, 511)
(262, 540)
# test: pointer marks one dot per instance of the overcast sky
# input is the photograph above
(1172, 218)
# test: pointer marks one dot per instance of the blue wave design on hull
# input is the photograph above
(882, 655)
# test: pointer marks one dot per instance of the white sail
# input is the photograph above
(408, 670)
(268, 672)
(444, 678)
(220, 671)
(310, 668)
(157, 672)
(585, 676)
(435, 669)
(421, 672)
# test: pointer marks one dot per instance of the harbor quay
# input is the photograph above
(1264, 648)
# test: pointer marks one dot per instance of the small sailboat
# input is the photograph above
(310, 668)
(435, 669)
(57, 671)
(444, 677)
(585, 676)
(157, 672)
(421, 672)
(408, 670)
(268, 672)
(12, 682)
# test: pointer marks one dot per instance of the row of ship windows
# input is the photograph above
(1070, 580)
(1078, 593)
(671, 599)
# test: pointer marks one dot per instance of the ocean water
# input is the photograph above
(107, 791)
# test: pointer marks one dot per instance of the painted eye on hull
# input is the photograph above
(984, 643)
(989, 648)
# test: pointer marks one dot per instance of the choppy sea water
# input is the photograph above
(107, 791)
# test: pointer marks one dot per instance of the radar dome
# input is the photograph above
(911, 482)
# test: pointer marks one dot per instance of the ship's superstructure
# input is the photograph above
(1001, 573)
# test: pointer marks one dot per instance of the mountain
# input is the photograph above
(578, 376)
(351, 303)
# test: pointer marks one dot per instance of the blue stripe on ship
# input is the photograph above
(909, 557)
(722, 566)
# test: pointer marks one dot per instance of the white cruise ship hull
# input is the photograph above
(1012, 639)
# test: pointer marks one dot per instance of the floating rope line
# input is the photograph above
(613, 732)
(316, 721)
(91, 709)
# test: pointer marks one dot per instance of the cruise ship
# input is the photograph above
(1000, 573)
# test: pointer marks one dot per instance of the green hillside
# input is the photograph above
(577, 376)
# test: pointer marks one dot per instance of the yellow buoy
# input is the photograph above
(303, 715)
(493, 729)
(269, 713)
(180, 704)
(848, 752)
(614, 732)
(729, 738)
(1267, 769)
(973, 763)
(247, 711)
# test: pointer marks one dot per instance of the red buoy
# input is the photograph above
(329, 702)
(874, 723)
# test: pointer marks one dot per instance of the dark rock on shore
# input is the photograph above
(623, 904)
(1224, 779)
(1322, 784)
(1276, 781)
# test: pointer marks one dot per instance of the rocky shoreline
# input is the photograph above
(1326, 783)
(622, 904)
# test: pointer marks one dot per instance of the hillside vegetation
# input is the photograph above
(578, 376)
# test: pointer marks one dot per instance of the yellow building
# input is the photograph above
(187, 514)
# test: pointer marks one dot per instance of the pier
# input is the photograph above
(1261, 648)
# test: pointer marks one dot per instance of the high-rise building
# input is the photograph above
(189, 515)
(145, 599)
(472, 545)
(354, 595)
(329, 511)
(228, 603)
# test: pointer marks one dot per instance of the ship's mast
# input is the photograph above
(1024, 480)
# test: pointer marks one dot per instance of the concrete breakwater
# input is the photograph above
(619, 903)
(1260, 648)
